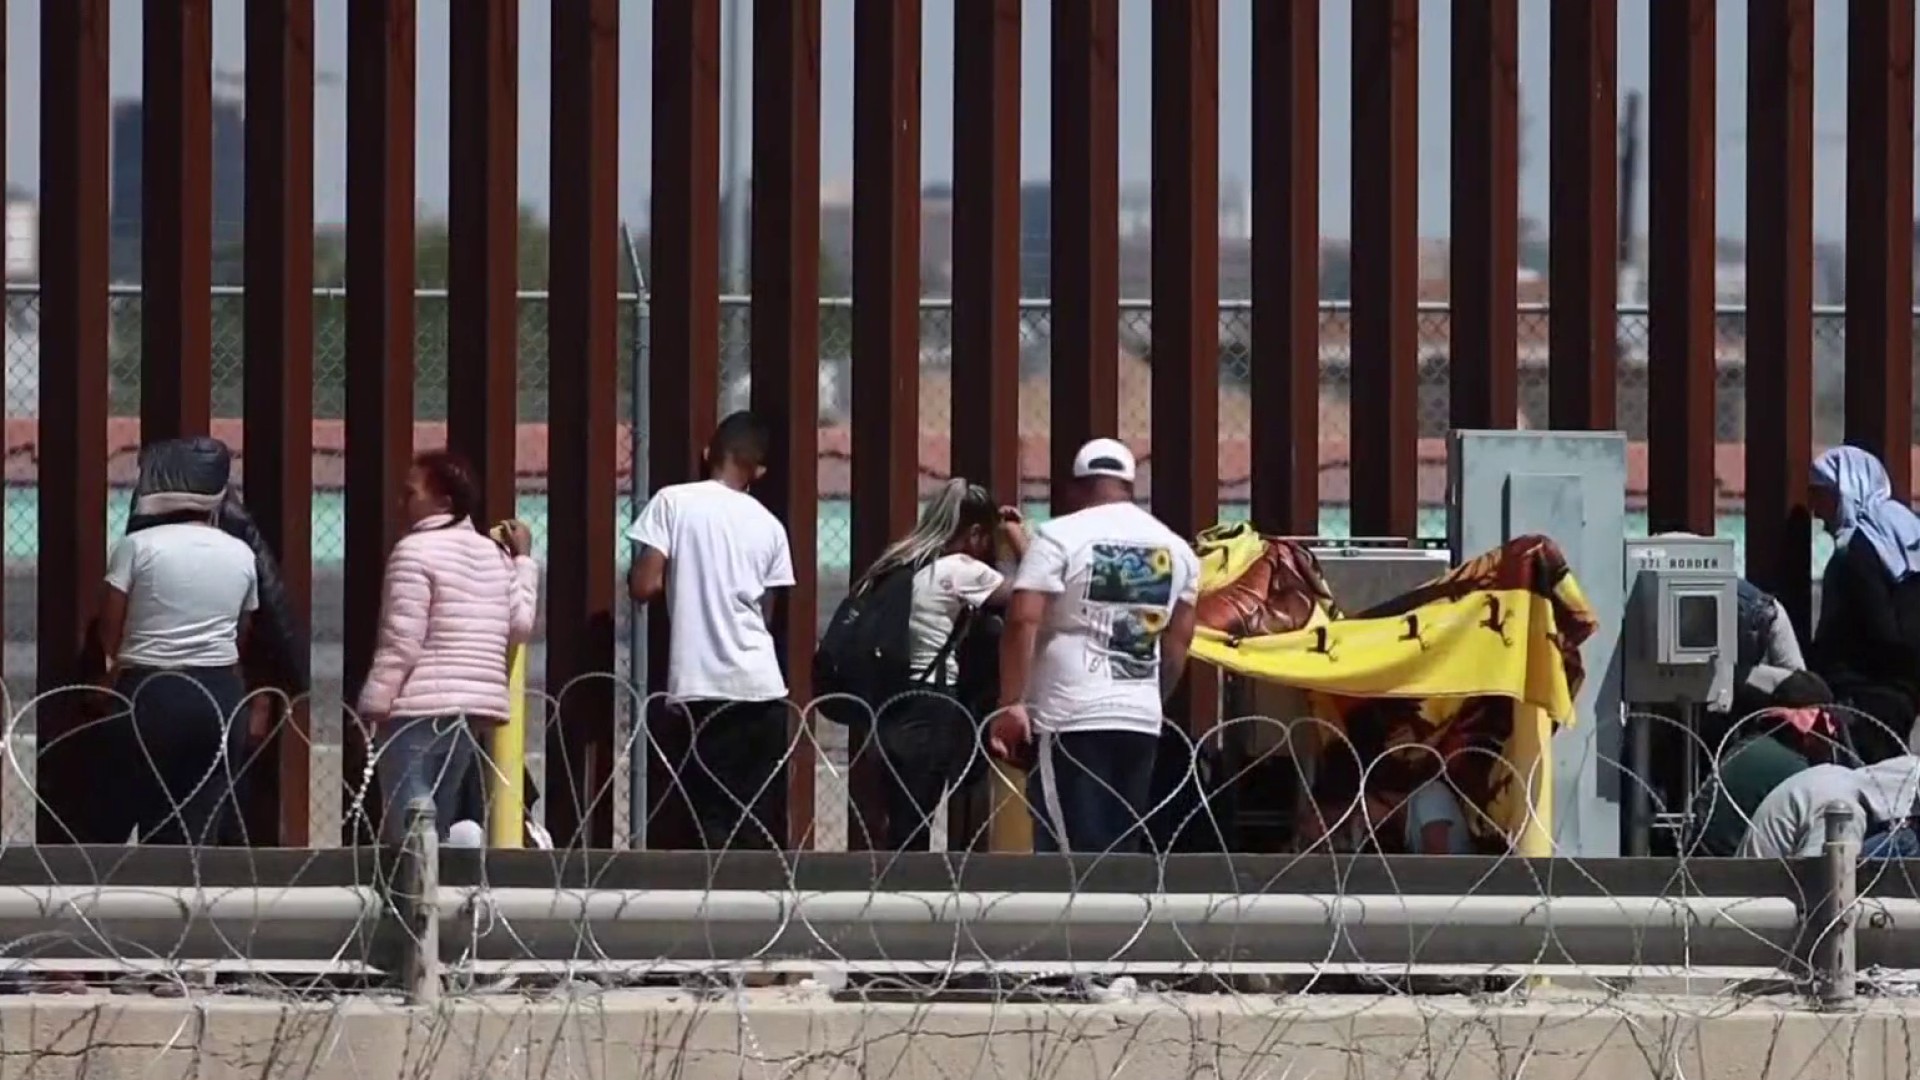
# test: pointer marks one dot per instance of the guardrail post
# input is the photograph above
(416, 895)
(1834, 912)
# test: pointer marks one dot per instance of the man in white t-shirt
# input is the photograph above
(1096, 639)
(718, 557)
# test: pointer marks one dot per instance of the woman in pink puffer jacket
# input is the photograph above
(455, 600)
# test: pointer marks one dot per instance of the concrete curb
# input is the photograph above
(801, 1035)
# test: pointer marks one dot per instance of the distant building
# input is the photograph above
(22, 333)
(936, 240)
(1236, 214)
(1036, 239)
(1136, 210)
(23, 239)
(126, 169)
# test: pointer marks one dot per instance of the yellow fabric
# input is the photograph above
(1226, 552)
(1442, 649)
(1482, 637)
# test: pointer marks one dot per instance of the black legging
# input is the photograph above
(174, 784)
(931, 742)
(928, 744)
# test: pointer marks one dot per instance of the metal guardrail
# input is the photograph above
(427, 914)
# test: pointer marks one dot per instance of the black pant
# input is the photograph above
(734, 777)
(1089, 791)
(176, 757)
(927, 744)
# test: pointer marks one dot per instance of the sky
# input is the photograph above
(23, 80)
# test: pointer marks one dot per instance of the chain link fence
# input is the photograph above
(939, 368)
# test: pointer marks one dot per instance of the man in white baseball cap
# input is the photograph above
(1105, 457)
(1096, 638)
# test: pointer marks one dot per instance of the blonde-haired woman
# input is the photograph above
(927, 734)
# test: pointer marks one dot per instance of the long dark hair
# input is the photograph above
(450, 476)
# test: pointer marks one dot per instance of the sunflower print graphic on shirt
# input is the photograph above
(1129, 594)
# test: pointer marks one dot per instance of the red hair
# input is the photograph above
(450, 476)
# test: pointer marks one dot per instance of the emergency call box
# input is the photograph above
(1681, 615)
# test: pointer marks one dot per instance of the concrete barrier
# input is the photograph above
(797, 1036)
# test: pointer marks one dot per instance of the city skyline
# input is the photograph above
(937, 101)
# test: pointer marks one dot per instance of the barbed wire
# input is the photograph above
(1184, 826)
(1194, 958)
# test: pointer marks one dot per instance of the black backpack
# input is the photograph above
(866, 650)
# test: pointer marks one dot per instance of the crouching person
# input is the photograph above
(1791, 821)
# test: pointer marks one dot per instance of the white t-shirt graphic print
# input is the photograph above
(1115, 574)
(724, 551)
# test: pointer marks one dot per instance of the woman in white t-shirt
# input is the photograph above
(179, 593)
(929, 741)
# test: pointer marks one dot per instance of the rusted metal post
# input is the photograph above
(1085, 260)
(1582, 212)
(278, 429)
(176, 221)
(1780, 300)
(7, 831)
(1879, 380)
(1186, 291)
(1285, 374)
(986, 431)
(73, 389)
(483, 317)
(417, 898)
(886, 273)
(684, 316)
(584, 344)
(685, 300)
(1382, 439)
(1833, 917)
(1483, 313)
(1680, 360)
(986, 246)
(786, 338)
(380, 322)
(886, 309)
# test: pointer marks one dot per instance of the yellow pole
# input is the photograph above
(507, 745)
(1532, 754)
(506, 816)
(1009, 825)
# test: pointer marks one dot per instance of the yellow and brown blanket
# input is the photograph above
(1478, 666)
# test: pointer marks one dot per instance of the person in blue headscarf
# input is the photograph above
(1867, 643)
